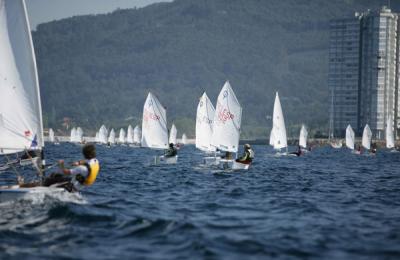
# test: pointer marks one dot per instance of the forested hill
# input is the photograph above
(99, 68)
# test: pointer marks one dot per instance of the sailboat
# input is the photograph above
(72, 137)
(129, 135)
(278, 138)
(79, 135)
(366, 137)
(389, 134)
(154, 128)
(121, 138)
(226, 128)
(331, 139)
(172, 135)
(184, 139)
(111, 137)
(51, 136)
(21, 125)
(137, 135)
(350, 139)
(303, 137)
(103, 135)
(204, 129)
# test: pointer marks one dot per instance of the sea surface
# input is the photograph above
(328, 204)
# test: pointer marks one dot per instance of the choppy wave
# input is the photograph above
(327, 204)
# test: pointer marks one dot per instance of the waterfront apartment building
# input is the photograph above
(364, 71)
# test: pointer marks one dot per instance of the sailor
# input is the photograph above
(83, 174)
(247, 156)
(299, 152)
(172, 151)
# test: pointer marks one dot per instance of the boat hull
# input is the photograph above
(159, 160)
(233, 165)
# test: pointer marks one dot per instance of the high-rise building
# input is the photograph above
(344, 59)
(364, 71)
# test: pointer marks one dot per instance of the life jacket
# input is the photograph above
(93, 167)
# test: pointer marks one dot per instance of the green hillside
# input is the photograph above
(98, 69)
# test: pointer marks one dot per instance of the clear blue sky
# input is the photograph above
(41, 11)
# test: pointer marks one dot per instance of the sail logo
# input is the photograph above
(150, 116)
(225, 94)
(27, 133)
(225, 115)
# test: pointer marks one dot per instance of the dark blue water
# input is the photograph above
(328, 204)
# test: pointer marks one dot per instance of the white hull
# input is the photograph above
(165, 160)
(232, 164)
(336, 145)
(212, 160)
(11, 193)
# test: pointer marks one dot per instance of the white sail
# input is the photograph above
(72, 137)
(350, 137)
(272, 137)
(278, 122)
(129, 135)
(79, 135)
(227, 121)
(51, 135)
(103, 134)
(184, 139)
(204, 124)
(137, 135)
(21, 125)
(303, 137)
(111, 137)
(366, 138)
(172, 134)
(121, 138)
(97, 138)
(154, 125)
(389, 134)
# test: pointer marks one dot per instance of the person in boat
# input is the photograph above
(247, 156)
(83, 174)
(373, 148)
(299, 152)
(29, 154)
(171, 151)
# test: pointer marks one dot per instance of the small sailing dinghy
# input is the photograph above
(137, 136)
(204, 129)
(154, 129)
(21, 127)
(278, 138)
(103, 135)
(172, 135)
(121, 137)
(350, 139)
(226, 128)
(184, 139)
(390, 135)
(366, 138)
(111, 137)
(303, 138)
